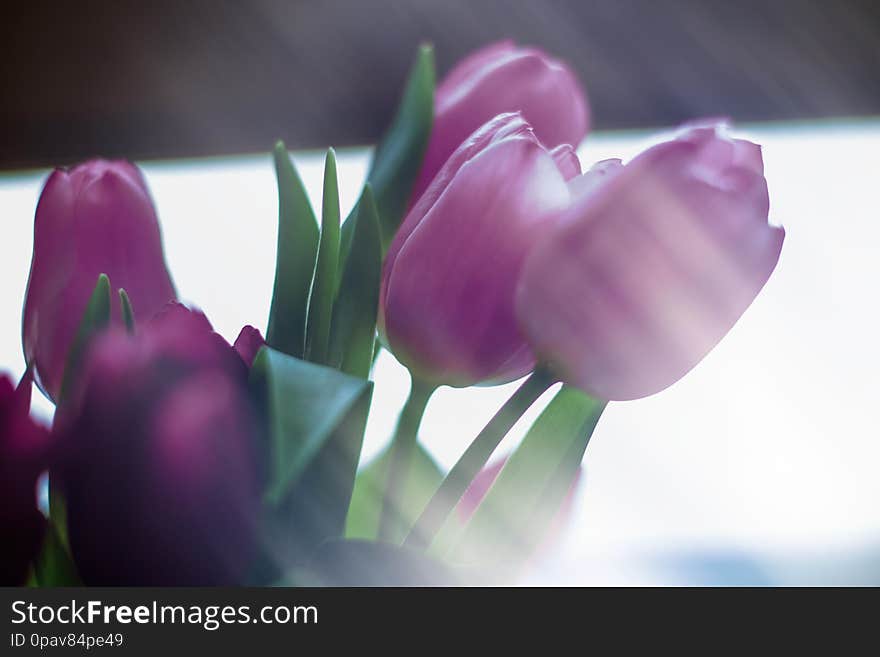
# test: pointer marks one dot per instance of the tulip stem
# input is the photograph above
(474, 459)
(402, 446)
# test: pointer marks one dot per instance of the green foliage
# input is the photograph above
(353, 330)
(127, 311)
(422, 479)
(295, 259)
(514, 517)
(54, 565)
(316, 418)
(323, 292)
(96, 317)
(398, 157)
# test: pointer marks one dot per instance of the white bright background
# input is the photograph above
(761, 466)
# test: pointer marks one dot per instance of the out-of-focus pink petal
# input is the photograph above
(25, 452)
(643, 277)
(567, 160)
(498, 79)
(161, 459)
(599, 174)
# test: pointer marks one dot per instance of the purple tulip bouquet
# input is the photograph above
(478, 253)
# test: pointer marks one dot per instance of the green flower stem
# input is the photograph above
(402, 445)
(475, 457)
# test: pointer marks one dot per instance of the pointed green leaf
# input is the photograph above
(323, 290)
(127, 311)
(96, 317)
(518, 509)
(294, 261)
(353, 330)
(423, 478)
(316, 420)
(398, 157)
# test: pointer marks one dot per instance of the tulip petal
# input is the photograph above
(160, 458)
(248, 343)
(498, 79)
(645, 276)
(567, 160)
(448, 312)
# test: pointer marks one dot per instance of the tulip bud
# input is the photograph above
(499, 78)
(647, 271)
(161, 467)
(96, 218)
(248, 343)
(24, 454)
(449, 279)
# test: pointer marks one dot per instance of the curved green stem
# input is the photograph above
(402, 445)
(475, 458)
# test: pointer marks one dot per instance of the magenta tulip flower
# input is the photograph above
(449, 279)
(161, 466)
(96, 218)
(649, 269)
(501, 78)
(24, 454)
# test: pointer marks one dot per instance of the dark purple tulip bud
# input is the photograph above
(499, 78)
(652, 266)
(449, 279)
(248, 343)
(161, 469)
(24, 454)
(95, 218)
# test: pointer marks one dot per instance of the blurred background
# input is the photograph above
(205, 77)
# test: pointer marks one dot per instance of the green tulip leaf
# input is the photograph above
(517, 511)
(295, 259)
(316, 419)
(353, 329)
(371, 563)
(127, 310)
(96, 317)
(323, 291)
(54, 565)
(423, 478)
(398, 158)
